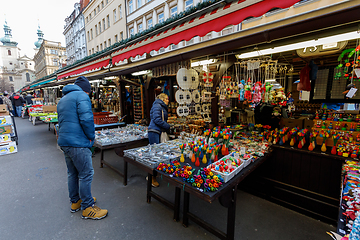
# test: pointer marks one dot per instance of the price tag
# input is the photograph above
(242, 150)
(236, 155)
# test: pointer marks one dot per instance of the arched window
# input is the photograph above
(27, 77)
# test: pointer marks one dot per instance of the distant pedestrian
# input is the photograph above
(18, 102)
(29, 98)
(7, 101)
(76, 136)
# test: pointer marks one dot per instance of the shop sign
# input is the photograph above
(320, 50)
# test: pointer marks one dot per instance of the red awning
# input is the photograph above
(92, 66)
(231, 14)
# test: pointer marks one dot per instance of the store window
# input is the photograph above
(140, 27)
(131, 7)
(188, 4)
(149, 23)
(173, 11)
(160, 17)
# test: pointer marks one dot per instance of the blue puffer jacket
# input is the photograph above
(76, 120)
(156, 122)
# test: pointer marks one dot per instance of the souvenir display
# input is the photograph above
(131, 132)
(152, 155)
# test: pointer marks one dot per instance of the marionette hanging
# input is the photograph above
(248, 95)
(242, 90)
(257, 92)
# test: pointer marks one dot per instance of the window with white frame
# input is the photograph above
(131, 31)
(96, 30)
(104, 26)
(108, 20)
(55, 61)
(140, 27)
(94, 11)
(100, 27)
(101, 47)
(97, 48)
(120, 12)
(121, 35)
(105, 45)
(98, 7)
(160, 17)
(173, 11)
(11, 79)
(188, 4)
(149, 23)
(109, 41)
(131, 6)
(102, 4)
(114, 14)
(116, 38)
(148, 1)
(91, 33)
(139, 3)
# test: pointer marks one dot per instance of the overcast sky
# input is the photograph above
(23, 17)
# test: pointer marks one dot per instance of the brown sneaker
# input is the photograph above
(94, 212)
(76, 206)
(154, 183)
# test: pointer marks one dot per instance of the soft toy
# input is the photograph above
(241, 90)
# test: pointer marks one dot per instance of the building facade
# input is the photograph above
(15, 70)
(74, 32)
(105, 24)
(50, 57)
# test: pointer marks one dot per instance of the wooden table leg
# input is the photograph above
(125, 172)
(177, 204)
(186, 209)
(230, 233)
(148, 190)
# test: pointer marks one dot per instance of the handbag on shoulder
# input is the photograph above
(163, 137)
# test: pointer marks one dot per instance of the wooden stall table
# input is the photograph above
(226, 195)
(119, 148)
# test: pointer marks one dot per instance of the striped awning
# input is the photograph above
(232, 13)
(93, 66)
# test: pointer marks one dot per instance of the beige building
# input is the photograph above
(105, 24)
(50, 57)
(15, 70)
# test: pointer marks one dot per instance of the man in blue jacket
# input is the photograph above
(76, 137)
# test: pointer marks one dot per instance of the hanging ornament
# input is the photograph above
(187, 78)
(208, 79)
(187, 97)
(196, 96)
(180, 96)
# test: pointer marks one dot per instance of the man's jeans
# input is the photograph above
(18, 111)
(80, 173)
(154, 138)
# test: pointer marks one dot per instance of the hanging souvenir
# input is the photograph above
(182, 111)
(242, 90)
(257, 92)
(205, 96)
(196, 96)
(180, 96)
(187, 97)
(208, 79)
(187, 78)
(198, 108)
(248, 95)
(234, 90)
(206, 108)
